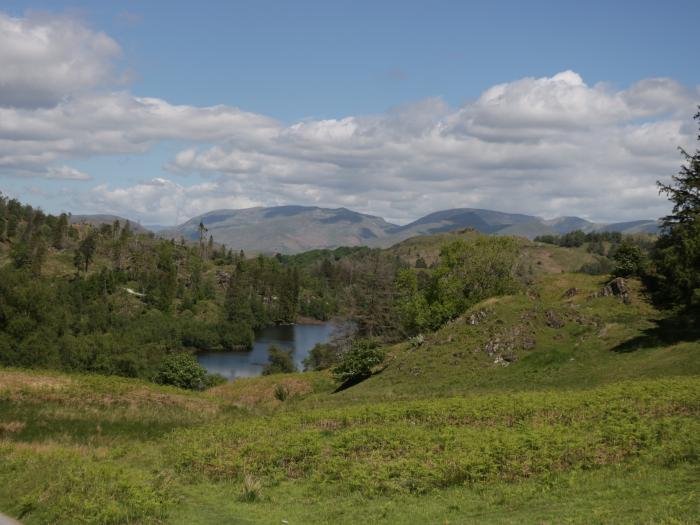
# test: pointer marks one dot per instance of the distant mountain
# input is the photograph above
(647, 226)
(100, 219)
(293, 229)
(485, 221)
(155, 228)
(285, 229)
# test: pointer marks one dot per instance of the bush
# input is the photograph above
(252, 488)
(321, 357)
(213, 380)
(280, 362)
(629, 260)
(357, 363)
(236, 336)
(281, 392)
(199, 334)
(182, 370)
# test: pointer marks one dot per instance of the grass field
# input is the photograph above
(551, 406)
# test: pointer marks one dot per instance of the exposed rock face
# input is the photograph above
(553, 320)
(222, 278)
(504, 346)
(570, 292)
(477, 317)
(617, 287)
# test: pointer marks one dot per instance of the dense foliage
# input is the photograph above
(357, 363)
(676, 279)
(279, 362)
(182, 370)
(468, 272)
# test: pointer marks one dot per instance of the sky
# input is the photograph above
(160, 111)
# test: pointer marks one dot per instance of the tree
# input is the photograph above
(59, 231)
(357, 363)
(182, 370)
(86, 251)
(676, 255)
(202, 231)
(629, 260)
(279, 362)
(236, 329)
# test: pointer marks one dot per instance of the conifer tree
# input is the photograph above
(677, 252)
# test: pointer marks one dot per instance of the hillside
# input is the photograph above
(551, 405)
(295, 229)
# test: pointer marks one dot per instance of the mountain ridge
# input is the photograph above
(295, 228)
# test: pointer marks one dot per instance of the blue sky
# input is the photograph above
(318, 63)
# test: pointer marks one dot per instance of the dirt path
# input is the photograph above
(4, 520)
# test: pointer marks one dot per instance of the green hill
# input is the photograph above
(551, 405)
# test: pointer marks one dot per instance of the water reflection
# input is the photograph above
(300, 338)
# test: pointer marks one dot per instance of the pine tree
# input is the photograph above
(59, 231)
(677, 252)
(86, 251)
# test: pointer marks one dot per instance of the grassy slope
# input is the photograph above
(594, 421)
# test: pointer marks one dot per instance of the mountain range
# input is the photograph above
(294, 229)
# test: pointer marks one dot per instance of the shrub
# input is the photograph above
(236, 335)
(213, 380)
(280, 362)
(321, 357)
(182, 370)
(281, 392)
(357, 363)
(629, 260)
(252, 488)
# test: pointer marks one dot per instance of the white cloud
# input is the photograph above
(45, 58)
(161, 200)
(548, 146)
(66, 173)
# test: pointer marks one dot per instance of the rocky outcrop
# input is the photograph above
(553, 320)
(617, 288)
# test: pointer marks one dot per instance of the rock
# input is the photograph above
(222, 278)
(477, 317)
(553, 320)
(617, 287)
(571, 292)
(500, 361)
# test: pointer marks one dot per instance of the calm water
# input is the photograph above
(300, 338)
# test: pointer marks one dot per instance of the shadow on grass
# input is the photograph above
(357, 380)
(682, 328)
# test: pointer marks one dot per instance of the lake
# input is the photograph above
(300, 338)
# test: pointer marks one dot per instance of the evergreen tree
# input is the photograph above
(202, 231)
(86, 251)
(677, 253)
(59, 231)
(210, 247)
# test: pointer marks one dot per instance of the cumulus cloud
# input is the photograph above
(66, 173)
(46, 58)
(112, 123)
(548, 146)
(161, 199)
